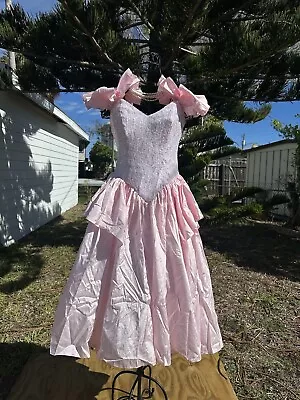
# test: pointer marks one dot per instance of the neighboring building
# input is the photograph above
(271, 166)
(39, 148)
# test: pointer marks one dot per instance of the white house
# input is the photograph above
(39, 147)
(271, 166)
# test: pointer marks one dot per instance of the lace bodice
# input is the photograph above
(147, 146)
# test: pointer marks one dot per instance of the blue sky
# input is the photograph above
(258, 133)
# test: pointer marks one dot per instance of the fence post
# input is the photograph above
(221, 179)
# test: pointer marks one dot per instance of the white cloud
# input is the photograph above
(94, 112)
(71, 106)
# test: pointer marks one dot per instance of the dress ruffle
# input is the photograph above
(116, 204)
(140, 288)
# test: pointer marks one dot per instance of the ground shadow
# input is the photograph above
(27, 252)
(28, 372)
(256, 247)
(58, 233)
(13, 357)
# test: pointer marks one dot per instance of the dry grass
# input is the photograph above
(255, 275)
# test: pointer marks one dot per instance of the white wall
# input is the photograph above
(38, 167)
(271, 167)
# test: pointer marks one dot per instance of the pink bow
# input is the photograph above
(193, 105)
(104, 97)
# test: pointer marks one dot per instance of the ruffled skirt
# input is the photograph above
(140, 287)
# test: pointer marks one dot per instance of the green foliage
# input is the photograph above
(246, 192)
(288, 131)
(208, 204)
(273, 201)
(198, 146)
(216, 202)
(294, 204)
(101, 131)
(5, 79)
(101, 158)
(225, 209)
(237, 213)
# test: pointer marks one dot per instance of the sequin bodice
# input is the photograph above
(147, 146)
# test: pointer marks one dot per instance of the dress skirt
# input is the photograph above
(140, 288)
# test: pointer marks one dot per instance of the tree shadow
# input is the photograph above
(25, 187)
(256, 247)
(58, 233)
(27, 252)
(28, 371)
(25, 184)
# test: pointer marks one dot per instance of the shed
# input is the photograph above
(271, 166)
(39, 150)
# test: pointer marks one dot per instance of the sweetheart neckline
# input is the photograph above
(141, 112)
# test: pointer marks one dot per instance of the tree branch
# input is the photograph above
(183, 32)
(223, 98)
(141, 17)
(138, 23)
(253, 61)
(253, 99)
(31, 56)
(246, 19)
(91, 38)
(133, 40)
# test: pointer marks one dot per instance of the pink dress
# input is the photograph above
(140, 287)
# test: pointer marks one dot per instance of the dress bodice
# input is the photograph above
(147, 146)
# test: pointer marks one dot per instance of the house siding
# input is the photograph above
(38, 167)
(270, 168)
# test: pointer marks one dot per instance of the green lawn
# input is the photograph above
(255, 274)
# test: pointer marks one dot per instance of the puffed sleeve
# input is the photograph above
(192, 104)
(102, 98)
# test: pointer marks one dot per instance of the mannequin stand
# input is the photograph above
(137, 392)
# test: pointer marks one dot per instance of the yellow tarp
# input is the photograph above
(64, 378)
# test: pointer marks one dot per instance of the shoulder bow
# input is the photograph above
(192, 105)
(104, 97)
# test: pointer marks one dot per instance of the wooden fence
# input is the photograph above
(225, 176)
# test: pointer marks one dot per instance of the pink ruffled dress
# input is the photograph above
(140, 287)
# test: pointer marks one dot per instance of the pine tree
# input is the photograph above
(198, 147)
(232, 51)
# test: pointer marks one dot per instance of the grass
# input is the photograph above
(255, 274)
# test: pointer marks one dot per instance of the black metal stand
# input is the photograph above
(137, 392)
